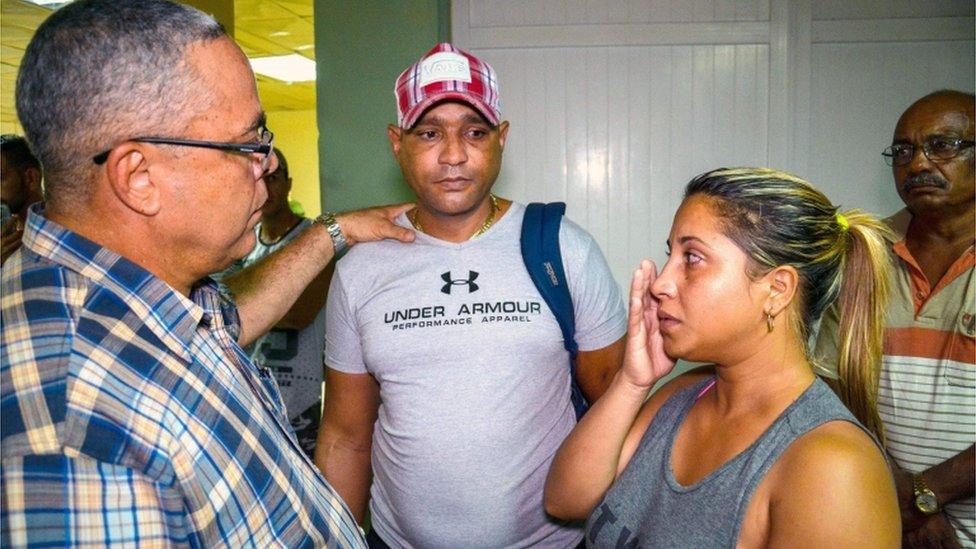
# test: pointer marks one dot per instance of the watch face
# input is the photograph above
(926, 502)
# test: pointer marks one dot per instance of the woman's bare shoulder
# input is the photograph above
(837, 470)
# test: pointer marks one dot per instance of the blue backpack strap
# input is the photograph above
(543, 260)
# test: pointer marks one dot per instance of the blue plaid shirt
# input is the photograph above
(130, 416)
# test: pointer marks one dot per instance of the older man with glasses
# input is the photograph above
(130, 414)
(927, 389)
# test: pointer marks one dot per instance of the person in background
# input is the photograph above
(447, 383)
(20, 186)
(756, 450)
(129, 415)
(926, 390)
(292, 350)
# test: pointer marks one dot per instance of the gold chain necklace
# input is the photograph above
(492, 210)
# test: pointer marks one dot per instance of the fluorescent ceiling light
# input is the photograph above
(289, 68)
(52, 4)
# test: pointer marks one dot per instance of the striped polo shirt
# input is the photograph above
(927, 390)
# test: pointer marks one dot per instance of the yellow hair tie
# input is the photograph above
(842, 221)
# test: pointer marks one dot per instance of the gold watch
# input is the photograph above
(925, 500)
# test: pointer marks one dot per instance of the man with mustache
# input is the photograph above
(448, 387)
(927, 389)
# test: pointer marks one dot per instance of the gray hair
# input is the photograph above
(98, 72)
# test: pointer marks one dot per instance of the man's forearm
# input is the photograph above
(953, 478)
(265, 291)
(349, 471)
(309, 303)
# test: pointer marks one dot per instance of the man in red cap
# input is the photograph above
(447, 378)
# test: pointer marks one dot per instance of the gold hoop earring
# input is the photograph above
(769, 321)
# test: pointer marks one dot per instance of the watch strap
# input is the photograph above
(328, 220)
(924, 493)
(918, 484)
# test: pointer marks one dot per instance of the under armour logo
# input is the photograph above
(469, 282)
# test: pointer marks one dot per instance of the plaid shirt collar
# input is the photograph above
(170, 315)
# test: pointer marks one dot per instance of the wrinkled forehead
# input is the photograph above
(940, 115)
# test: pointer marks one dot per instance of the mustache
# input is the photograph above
(924, 180)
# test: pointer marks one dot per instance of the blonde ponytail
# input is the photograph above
(865, 283)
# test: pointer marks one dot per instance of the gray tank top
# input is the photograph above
(646, 507)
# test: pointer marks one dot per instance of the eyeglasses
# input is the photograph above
(936, 148)
(265, 146)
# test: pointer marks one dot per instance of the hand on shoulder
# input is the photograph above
(371, 224)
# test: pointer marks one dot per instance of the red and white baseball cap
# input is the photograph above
(443, 73)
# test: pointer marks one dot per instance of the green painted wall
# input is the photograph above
(361, 47)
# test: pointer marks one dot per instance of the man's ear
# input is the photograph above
(128, 175)
(395, 133)
(783, 282)
(502, 133)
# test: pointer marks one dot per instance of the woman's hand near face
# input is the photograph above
(645, 361)
(589, 459)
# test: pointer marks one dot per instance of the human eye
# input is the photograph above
(941, 145)
(426, 134)
(692, 258)
(900, 152)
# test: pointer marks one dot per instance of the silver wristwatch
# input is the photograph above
(328, 220)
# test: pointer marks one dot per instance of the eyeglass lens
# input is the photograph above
(935, 148)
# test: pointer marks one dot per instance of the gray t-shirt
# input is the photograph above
(474, 379)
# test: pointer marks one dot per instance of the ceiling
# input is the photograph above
(261, 27)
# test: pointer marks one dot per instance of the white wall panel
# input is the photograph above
(859, 92)
(501, 13)
(616, 104)
(611, 131)
(885, 9)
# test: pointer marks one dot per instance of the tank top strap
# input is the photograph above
(670, 416)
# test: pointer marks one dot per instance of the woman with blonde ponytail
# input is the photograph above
(754, 450)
